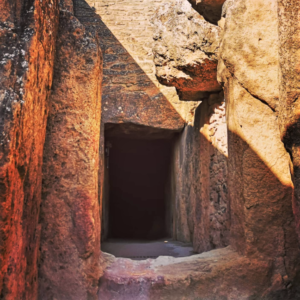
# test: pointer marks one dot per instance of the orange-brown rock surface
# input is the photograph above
(185, 50)
(27, 46)
(234, 183)
(70, 245)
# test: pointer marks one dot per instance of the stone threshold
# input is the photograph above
(213, 275)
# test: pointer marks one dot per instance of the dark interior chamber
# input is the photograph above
(138, 171)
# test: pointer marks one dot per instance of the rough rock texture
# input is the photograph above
(289, 103)
(127, 41)
(212, 209)
(199, 178)
(259, 180)
(27, 44)
(218, 274)
(211, 10)
(249, 50)
(199, 168)
(70, 245)
(185, 50)
(132, 96)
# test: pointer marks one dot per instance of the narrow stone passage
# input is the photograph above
(150, 150)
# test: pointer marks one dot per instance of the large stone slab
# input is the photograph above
(218, 274)
(249, 47)
(185, 50)
(27, 46)
(70, 216)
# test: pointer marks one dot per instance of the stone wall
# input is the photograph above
(260, 188)
(27, 47)
(185, 50)
(199, 178)
(70, 264)
(259, 175)
(129, 71)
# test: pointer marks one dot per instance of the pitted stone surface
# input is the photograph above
(70, 265)
(185, 50)
(27, 47)
(129, 71)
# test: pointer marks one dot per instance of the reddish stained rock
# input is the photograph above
(70, 245)
(27, 43)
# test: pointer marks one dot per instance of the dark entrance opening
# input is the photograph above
(138, 176)
(138, 193)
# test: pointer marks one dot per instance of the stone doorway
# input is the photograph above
(137, 217)
(138, 174)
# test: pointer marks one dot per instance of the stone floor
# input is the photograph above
(215, 275)
(139, 250)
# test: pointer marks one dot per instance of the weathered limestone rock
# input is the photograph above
(199, 162)
(249, 49)
(289, 103)
(259, 179)
(27, 43)
(211, 10)
(185, 50)
(70, 245)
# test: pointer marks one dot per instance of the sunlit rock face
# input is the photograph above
(70, 214)
(259, 175)
(249, 50)
(27, 43)
(210, 9)
(185, 50)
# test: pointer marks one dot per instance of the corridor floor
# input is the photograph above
(139, 250)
